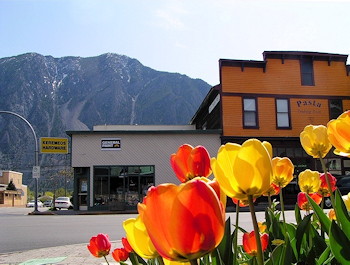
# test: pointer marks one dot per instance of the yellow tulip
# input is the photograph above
(339, 134)
(243, 170)
(346, 199)
(283, 170)
(138, 238)
(309, 181)
(315, 141)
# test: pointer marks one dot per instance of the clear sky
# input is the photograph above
(183, 36)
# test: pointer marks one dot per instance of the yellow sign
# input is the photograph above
(53, 145)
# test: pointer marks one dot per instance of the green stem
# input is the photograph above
(236, 235)
(260, 257)
(106, 260)
(193, 262)
(161, 261)
(282, 206)
(269, 200)
(324, 168)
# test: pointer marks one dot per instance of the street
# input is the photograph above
(20, 231)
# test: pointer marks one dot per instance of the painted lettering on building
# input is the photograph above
(314, 103)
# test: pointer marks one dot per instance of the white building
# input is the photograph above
(115, 165)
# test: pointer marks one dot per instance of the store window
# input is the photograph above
(121, 185)
(250, 116)
(282, 112)
(307, 71)
(335, 108)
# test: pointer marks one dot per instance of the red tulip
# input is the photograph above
(120, 254)
(99, 245)
(303, 203)
(323, 190)
(242, 203)
(183, 222)
(190, 162)
(126, 245)
(249, 243)
(273, 190)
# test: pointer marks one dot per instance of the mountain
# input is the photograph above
(75, 93)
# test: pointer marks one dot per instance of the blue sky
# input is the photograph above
(183, 36)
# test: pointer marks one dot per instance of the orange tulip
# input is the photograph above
(190, 162)
(332, 215)
(283, 170)
(323, 190)
(273, 190)
(183, 222)
(120, 254)
(242, 203)
(303, 203)
(338, 131)
(99, 245)
(249, 243)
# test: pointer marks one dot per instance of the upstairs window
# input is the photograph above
(282, 113)
(250, 116)
(307, 71)
(335, 108)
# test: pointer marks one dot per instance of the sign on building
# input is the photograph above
(110, 144)
(53, 145)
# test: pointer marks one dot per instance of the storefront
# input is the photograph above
(115, 165)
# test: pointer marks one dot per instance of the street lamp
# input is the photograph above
(36, 153)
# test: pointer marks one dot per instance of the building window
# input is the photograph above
(282, 111)
(307, 72)
(125, 185)
(335, 108)
(250, 115)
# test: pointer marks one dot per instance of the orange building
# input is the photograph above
(276, 98)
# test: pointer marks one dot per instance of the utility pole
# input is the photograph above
(36, 168)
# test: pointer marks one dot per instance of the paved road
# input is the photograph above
(21, 231)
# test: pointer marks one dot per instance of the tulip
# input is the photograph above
(332, 215)
(338, 131)
(309, 181)
(303, 203)
(99, 245)
(120, 254)
(323, 190)
(262, 227)
(243, 170)
(273, 190)
(346, 199)
(190, 162)
(138, 238)
(184, 222)
(249, 243)
(315, 141)
(240, 203)
(126, 244)
(283, 170)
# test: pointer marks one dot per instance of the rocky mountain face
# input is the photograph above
(74, 93)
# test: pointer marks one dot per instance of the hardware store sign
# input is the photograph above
(53, 145)
(110, 144)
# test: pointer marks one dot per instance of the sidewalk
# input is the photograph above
(64, 255)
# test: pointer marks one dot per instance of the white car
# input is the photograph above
(63, 202)
(32, 204)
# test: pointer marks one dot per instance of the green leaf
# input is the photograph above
(297, 214)
(276, 255)
(215, 256)
(225, 246)
(291, 232)
(321, 216)
(339, 244)
(343, 217)
(301, 232)
(324, 256)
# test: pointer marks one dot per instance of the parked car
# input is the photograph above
(343, 184)
(48, 203)
(63, 202)
(32, 203)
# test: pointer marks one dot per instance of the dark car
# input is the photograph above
(343, 184)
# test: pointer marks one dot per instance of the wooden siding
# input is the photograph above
(308, 104)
